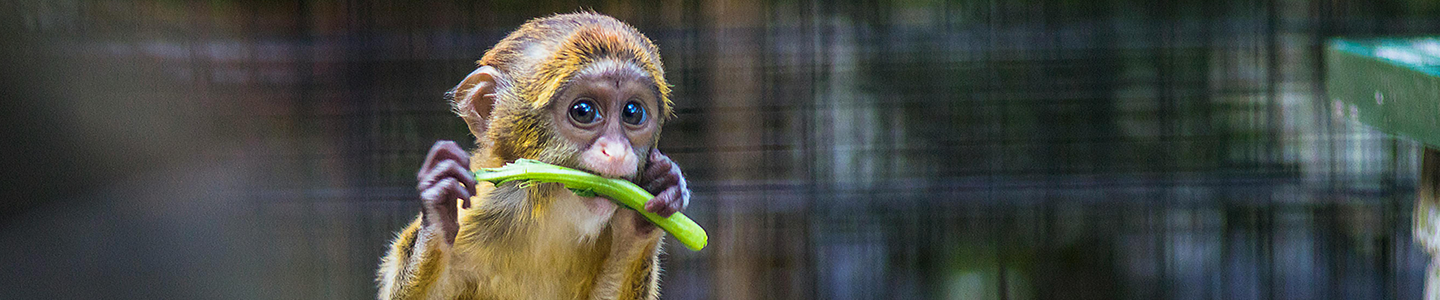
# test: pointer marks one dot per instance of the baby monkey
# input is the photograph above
(581, 90)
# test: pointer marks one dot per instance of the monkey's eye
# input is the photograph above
(633, 113)
(583, 112)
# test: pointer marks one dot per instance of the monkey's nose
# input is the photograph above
(611, 150)
(610, 157)
(607, 151)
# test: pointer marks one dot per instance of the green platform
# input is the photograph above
(1394, 85)
(1390, 84)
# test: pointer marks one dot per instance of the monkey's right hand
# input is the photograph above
(444, 178)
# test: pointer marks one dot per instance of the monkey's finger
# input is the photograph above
(661, 182)
(446, 192)
(436, 194)
(441, 151)
(424, 184)
(666, 203)
(655, 204)
(445, 169)
(656, 156)
(655, 171)
(683, 187)
(452, 169)
(684, 197)
(659, 164)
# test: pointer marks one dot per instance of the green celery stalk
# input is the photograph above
(583, 183)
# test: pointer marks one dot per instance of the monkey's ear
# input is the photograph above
(475, 97)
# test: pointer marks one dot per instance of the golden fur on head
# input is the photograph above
(537, 61)
(550, 50)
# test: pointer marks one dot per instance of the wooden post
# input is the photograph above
(1427, 217)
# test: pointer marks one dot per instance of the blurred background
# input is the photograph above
(1031, 149)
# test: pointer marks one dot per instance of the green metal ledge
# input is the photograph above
(1390, 84)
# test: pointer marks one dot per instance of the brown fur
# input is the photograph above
(517, 242)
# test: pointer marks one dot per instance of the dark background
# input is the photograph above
(1031, 149)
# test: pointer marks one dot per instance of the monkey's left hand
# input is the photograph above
(662, 177)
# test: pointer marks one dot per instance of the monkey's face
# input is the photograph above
(607, 111)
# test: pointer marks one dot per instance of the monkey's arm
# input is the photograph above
(415, 262)
(420, 253)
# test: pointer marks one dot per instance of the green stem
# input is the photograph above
(621, 191)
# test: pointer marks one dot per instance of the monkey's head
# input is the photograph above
(579, 90)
